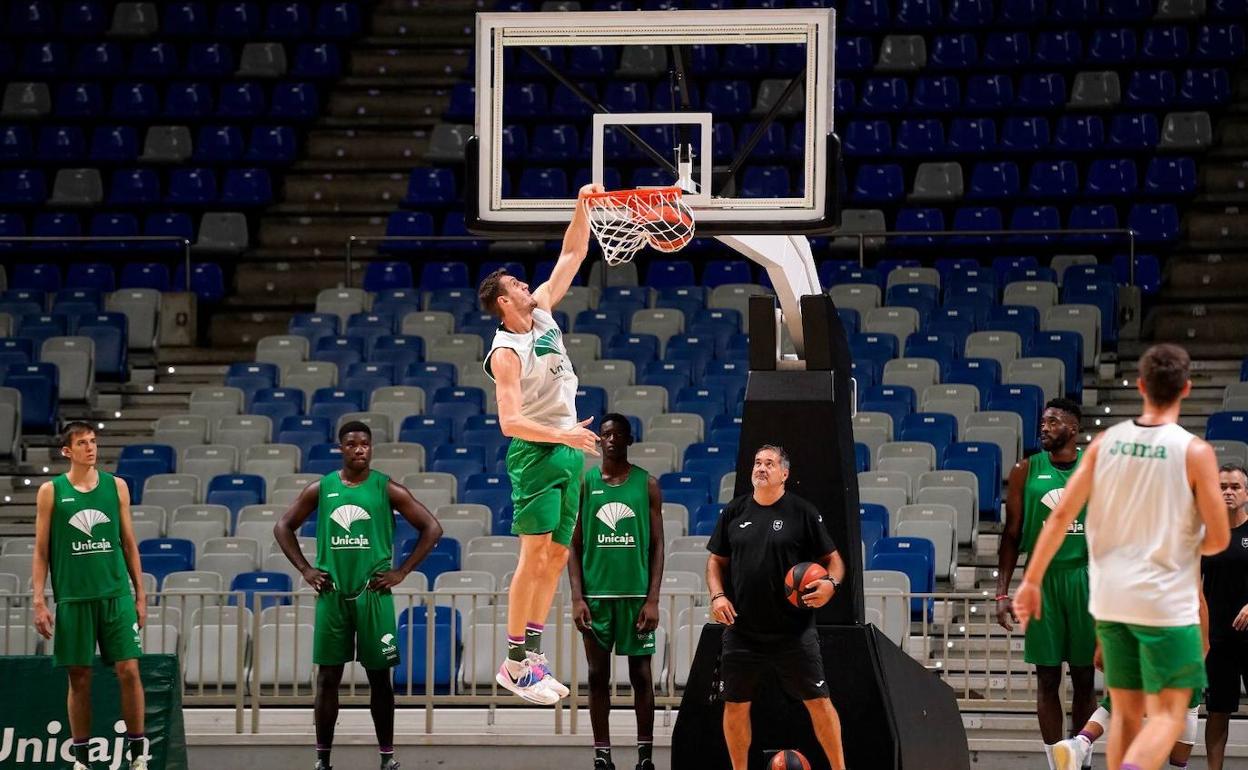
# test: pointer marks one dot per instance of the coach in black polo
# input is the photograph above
(760, 537)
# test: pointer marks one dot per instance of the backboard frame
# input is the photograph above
(816, 212)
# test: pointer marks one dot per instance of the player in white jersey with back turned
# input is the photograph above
(1149, 486)
(536, 390)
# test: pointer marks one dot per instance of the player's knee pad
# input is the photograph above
(1190, 727)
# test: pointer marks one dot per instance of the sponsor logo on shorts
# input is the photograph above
(85, 521)
(387, 645)
(138, 638)
(777, 525)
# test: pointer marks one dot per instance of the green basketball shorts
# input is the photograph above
(340, 620)
(111, 623)
(613, 623)
(545, 488)
(1065, 632)
(1192, 703)
(1152, 658)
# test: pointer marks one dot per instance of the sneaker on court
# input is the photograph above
(541, 667)
(80, 766)
(528, 684)
(602, 764)
(323, 766)
(138, 764)
(1070, 754)
(647, 765)
(390, 764)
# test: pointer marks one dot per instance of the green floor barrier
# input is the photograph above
(34, 727)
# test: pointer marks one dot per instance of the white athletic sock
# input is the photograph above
(1048, 754)
(1101, 717)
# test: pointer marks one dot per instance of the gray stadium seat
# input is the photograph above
(432, 489)
(1229, 451)
(497, 564)
(271, 461)
(736, 296)
(397, 403)
(428, 324)
(917, 373)
(641, 61)
(398, 460)
(215, 516)
(662, 322)
(447, 142)
(862, 297)
(162, 639)
(17, 564)
(464, 590)
(494, 544)
(212, 655)
(608, 374)
(873, 429)
(141, 307)
(222, 232)
(941, 534)
(262, 60)
(257, 521)
(170, 490)
(1004, 437)
(684, 643)
(937, 181)
(694, 562)
(378, 424)
(465, 350)
(1179, 10)
(282, 349)
(679, 421)
(167, 144)
(1048, 373)
(854, 221)
(134, 20)
(146, 512)
(463, 530)
(1041, 295)
(75, 358)
(1186, 132)
(207, 461)
(1061, 262)
(898, 321)
(181, 430)
(285, 654)
(961, 499)
(215, 402)
(902, 53)
(26, 100)
(342, 302)
(1001, 346)
(926, 276)
(770, 91)
(10, 422)
(227, 565)
(465, 512)
(950, 391)
(78, 187)
(1095, 90)
(656, 458)
(246, 546)
(1084, 319)
(582, 348)
(18, 545)
(243, 431)
(891, 498)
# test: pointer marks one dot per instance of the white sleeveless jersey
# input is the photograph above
(1143, 529)
(547, 382)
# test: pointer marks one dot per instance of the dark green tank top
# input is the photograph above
(84, 551)
(354, 530)
(1043, 490)
(615, 536)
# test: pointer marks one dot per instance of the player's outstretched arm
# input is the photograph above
(505, 365)
(575, 247)
(1202, 470)
(284, 533)
(1074, 497)
(1007, 548)
(44, 500)
(425, 523)
(130, 550)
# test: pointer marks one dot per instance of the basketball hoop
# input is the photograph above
(624, 221)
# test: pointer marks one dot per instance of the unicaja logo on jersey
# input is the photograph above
(344, 516)
(85, 521)
(1050, 501)
(547, 344)
(612, 514)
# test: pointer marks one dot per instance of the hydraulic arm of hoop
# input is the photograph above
(791, 268)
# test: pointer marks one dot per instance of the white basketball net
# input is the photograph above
(624, 221)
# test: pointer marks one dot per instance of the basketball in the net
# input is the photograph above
(789, 759)
(795, 582)
(670, 227)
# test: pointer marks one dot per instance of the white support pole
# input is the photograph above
(791, 268)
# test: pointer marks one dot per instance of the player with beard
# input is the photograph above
(1067, 632)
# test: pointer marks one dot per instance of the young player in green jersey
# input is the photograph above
(1067, 633)
(353, 576)
(615, 571)
(83, 535)
(536, 392)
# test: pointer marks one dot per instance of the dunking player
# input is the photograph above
(615, 572)
(1149, 485)
(1066, 632)
(83, 535)
(353, 576)
(1225, 579)
(536, 390)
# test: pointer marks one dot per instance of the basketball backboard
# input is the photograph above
(745, 96)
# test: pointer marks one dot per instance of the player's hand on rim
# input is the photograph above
(723, 611)
(582, 438)
(1027, 603)
(43, 621)
(384, 581)
(318, 579)
(590, 189)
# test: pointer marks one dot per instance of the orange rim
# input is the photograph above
(623, 196)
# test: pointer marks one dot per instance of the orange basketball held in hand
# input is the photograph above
(789, 759)
(670, 227)
(798, 579)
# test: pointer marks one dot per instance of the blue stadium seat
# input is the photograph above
(235, 490)
(1041, 91)
(139, 461)
(296, 101)
(953, 52)
(878, 184)
(426, 430)
(1154, 222)
(304, 432)
(688, 489)
(338, 20)
(1219, 42)
(854, 55)
(22, 187)
(160, 556)
(1111, 177)
(284, 19)
(994, 181)
(277, 403)
(251, 377)
(938, 429)
(237, 20)
(1165, 44)
(1024, 400)
(130, 100)
(884, 95)
(1085, 216)
(61, 144)
(867, 15)
(412, 676)
(984, 460)
(914, 557)
(333, 403)
(1053, 179)
(1204, 87)
(983, 373)
(1067, 347)
(1058, 48)
(1154, 89)
(1112, 47)
(251, 589)
(920, 137)
(1147, 272)
(342, 351)
(322, 458)
(1079, 133)
(109, 333)
(868, 138)
(1007, 49)
(936, 93)
(83, 19)
(1171, 177)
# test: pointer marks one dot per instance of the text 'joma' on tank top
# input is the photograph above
(547, 382)
(1144, 531)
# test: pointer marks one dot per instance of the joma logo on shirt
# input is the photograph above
(1133, 449)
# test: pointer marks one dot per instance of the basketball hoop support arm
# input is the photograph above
(791, 267)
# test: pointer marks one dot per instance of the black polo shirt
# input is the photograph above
(761, 543)
(1225, 578)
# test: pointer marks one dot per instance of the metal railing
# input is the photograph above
(121, 239)
(861, 239)
(261, 656)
